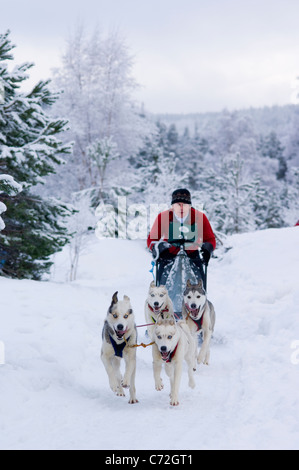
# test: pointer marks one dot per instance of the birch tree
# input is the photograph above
(97, 78)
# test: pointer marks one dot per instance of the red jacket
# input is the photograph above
(197, 229)
(297, 223)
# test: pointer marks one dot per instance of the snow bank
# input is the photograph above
(54, 390)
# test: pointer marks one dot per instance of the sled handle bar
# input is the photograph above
(182, 241)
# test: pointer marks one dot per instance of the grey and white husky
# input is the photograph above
(119, 335)
(158, 302)
(174, 343)
(200, 316)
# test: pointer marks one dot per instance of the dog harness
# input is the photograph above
(198, 323)
(118, 348)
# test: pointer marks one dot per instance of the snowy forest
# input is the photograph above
(80, 140)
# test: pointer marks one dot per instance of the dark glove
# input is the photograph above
(158, 248)
(206, 252)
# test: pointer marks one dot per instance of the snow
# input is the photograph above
(2, 209)
(7, 179)
(54, 389)
(10, 186)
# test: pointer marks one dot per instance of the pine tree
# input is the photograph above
(192, 155)
(173, 139)
(271, 147)
(156, 168)
(268, 208)
(289, 196)
(230, 196)
(29, 151)
(147, 162)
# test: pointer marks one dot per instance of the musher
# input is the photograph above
(182, 220)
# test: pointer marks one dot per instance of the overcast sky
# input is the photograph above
(190, 55)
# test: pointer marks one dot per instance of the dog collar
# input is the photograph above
(118, 348)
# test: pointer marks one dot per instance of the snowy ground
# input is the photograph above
(54, 390)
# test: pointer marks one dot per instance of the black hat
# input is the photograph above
(181, 195)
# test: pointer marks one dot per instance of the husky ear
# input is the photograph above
(114, 301)
(126, 298)
(189, 283)
(114, 298)
(152, 284)
(200, 284)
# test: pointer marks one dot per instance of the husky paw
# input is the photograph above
(159, 386)
(201, 358)
(174, 403)
(119, 392)
(133, 401)
(191, 383)
(125, 384)
(204, 357)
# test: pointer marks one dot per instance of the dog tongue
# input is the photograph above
(121, 333)
(165, 355)
(192, 310)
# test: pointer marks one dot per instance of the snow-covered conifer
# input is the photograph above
(29, 151)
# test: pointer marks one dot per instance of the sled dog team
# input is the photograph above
(172, 341)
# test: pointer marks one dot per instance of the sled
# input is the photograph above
(174, 274)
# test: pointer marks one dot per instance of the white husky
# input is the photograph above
(173, 344)
(119, 335)
(157, 302)
(199, 314)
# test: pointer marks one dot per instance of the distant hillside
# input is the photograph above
(265, 120)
